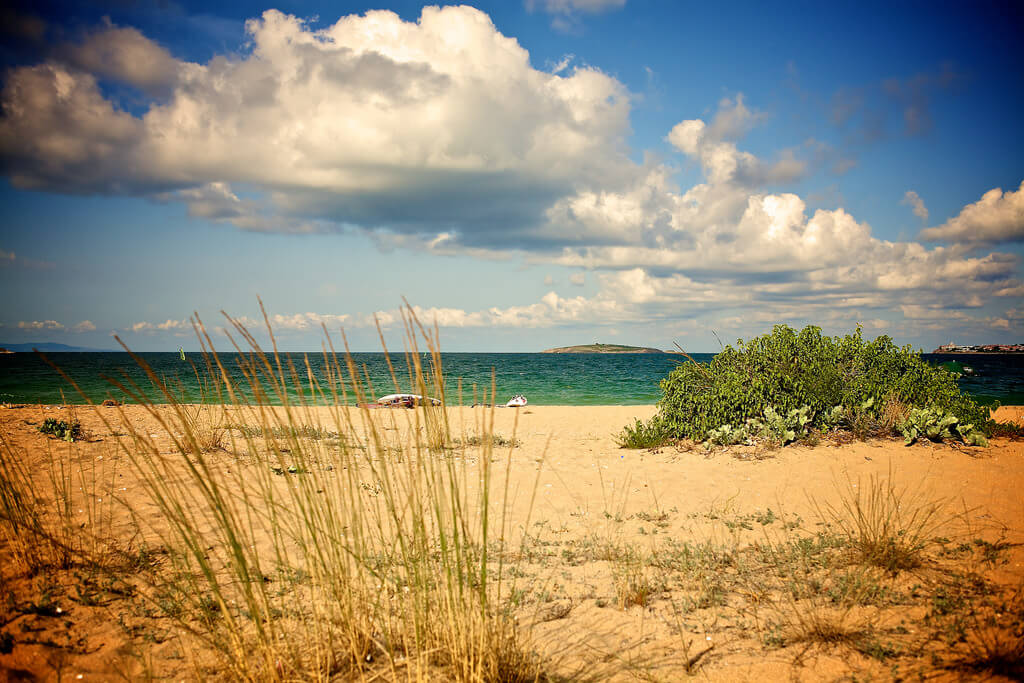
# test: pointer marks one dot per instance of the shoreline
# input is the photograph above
(641, 407)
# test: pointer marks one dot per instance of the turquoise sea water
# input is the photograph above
(545, 379)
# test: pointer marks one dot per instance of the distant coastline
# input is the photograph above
(980, 348)
(604, 348)
(51, 347)
(979, 353)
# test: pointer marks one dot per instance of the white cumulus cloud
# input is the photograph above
(374, 121)
(723, 162)
(306, 321)
(996, 217)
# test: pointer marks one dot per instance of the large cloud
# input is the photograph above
(713, 147)
(434, 125)
(996, 217)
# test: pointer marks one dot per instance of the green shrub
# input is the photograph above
(828, 376)
(68, 431)
(650, 434)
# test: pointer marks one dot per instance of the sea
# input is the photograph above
(572, 379)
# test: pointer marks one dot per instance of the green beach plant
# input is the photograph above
(786, 428)
(781, 429)
(818, 376)
(649, 434)
(727, 435)
(62, 429)
(936, 425)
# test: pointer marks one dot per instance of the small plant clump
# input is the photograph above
(783, 429)
(650, 434)
(775, 428)
(727, 435)
(1010, 430)
(66, 431)
(938, 426)
(494, 440)
(785, 384)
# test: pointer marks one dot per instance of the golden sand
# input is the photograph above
(573, 489)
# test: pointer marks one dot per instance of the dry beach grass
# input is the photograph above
(306, 542)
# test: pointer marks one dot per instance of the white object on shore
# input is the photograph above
(407, 400)
(517, 401)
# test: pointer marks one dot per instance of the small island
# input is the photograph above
(604, 348)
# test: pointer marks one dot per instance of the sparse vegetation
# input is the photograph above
(1011, 430)
(649, 434)
(631, 575)
(888, 527)
(489, 440)
(62, 429)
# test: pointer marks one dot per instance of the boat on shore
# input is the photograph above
(403, 401)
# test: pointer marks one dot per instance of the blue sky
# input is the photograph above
(528, 174)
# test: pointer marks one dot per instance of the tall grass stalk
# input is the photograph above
(299, 558)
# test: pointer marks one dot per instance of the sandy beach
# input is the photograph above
(610, 582)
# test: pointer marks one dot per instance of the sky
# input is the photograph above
(525, 174)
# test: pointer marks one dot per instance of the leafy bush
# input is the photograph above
(650, 434)
(828, 376)
(68, 431)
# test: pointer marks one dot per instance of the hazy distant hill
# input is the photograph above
(46, 346)
(604, 348)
